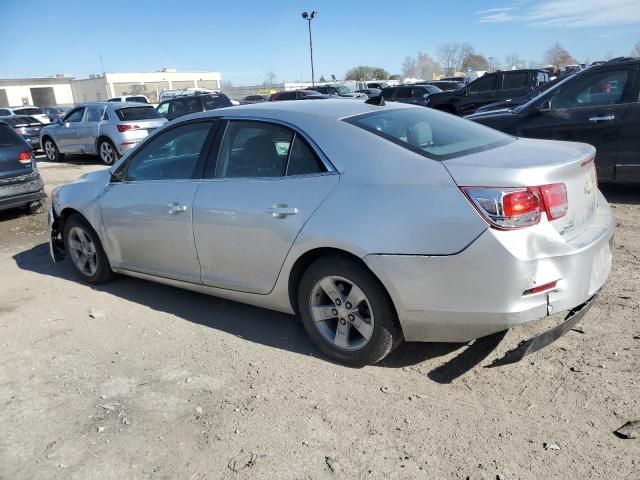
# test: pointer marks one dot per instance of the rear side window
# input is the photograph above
(403, 93)
(93, 114)
(28, 111)
(429, 133)
(515, 80)
(8, 136)
(4, 112)
(137, 113)
(287, 96)
(302, 160)
(387, 93)
(211, 102)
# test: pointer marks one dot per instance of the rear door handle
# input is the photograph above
(175, 207)
(603, 118)
(282, 210)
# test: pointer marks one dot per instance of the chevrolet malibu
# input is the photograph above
(374, 223)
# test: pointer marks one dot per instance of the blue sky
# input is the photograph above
(246, 39)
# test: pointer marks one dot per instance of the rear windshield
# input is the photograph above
(430, 133)
(8, 136)
(28, 111)
(137, 99)
(20, 120)
(137, 113)
(211, 102)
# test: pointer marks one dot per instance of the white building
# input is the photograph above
(44, 92)
(150, 84)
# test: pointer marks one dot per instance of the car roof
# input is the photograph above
(330, 109)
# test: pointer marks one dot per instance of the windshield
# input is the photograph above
(430, 133)
(543, 89)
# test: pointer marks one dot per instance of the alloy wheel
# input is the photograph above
(50, 150)
(83, 251)
(107, 153)
(342, 312)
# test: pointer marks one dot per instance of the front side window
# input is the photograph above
(515, 80)
(163, 109)
(430, 134)
(603, 88)
(93, 114)
(387, 93)
(74, 116)
(172, 155)
(483, 84)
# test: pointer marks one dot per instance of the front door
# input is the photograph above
(628, 160)
(66, 134)
(590, 110)
(89, 127)
(266, 183)
(147, 214)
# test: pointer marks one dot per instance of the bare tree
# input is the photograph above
(464, 50)
(513, 60)
(447, 53)
(636, 50)
(270, 77)
(410, 68)
(557, 56)
(427, 66)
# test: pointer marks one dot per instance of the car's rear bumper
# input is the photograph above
(480, 291)
(22, 191)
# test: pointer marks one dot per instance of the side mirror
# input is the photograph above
(545, 106)
(59, 121)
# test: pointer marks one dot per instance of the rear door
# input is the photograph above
(479, 92)
(147, 211)
(262, 187)
(588, 109)
(628, 159)
(515, 84)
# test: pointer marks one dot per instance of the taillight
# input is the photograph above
(511, 208)
(125, 127)
(24, 157)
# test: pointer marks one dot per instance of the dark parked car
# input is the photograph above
(20, 182)
(297, 95)
(370, 92)
(598, 105)
(413, 94)
(27, 127)
(54, 113)
(489, 88)
(250, 99)
(445, 86)
(514, 102)
(336, 90)
(184, 105)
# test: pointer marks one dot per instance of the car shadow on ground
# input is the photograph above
(624, 193)
(71, 159)
(255, 324)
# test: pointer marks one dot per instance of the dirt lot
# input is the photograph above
(168, 384)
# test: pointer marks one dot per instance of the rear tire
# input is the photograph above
(357, 334)
(51, 150)
(85, 251)
(107, 152)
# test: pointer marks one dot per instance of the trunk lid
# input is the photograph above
(11, 146)
(530, 163)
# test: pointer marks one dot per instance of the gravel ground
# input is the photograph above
(134, 380)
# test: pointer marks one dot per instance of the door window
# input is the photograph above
(515, 80)
(253, 149)
(74, 116)
(483, 84)
(163, 109)
(603, 88)
(403, 93)
(172, 155)
(93, 114)
(387, 93)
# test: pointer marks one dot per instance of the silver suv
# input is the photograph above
(107, 129)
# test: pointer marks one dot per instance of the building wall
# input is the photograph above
(18, 92)
(90, 90)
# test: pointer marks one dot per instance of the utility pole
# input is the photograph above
(308, 17)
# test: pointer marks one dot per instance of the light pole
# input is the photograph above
(308, 17)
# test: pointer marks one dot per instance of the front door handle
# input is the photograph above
(603, 118)
(175, 207)
(281, 210)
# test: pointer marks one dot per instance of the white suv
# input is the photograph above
(28, 110)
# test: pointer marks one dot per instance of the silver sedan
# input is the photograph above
(373, 223)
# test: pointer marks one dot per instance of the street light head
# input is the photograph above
(305, 15)
(313, 14)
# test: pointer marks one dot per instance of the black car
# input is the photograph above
(370, 92)
(413, 94)
(184, 105)
(27, 127)
(489, 88)
(297, 95)
(20, 182)
(335, 90)
(251, 99)
(598, 105)
(444, 85)
(514, 102)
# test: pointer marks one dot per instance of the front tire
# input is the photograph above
(51, 150)
(346, 311)
(85, 251)
(107, 152)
